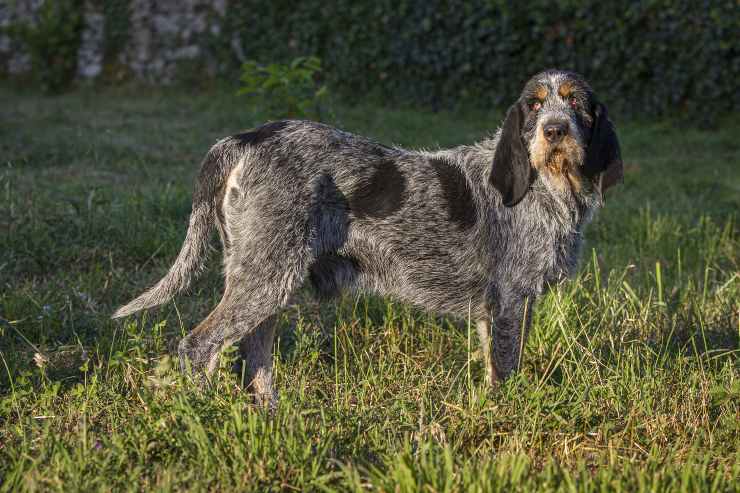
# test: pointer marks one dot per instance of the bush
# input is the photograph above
(116, 34)
(53, 42)
(285, 90)
(653, 57)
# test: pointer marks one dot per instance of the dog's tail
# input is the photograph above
(213, 174)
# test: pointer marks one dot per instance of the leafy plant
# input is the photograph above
(645, 58)
(286, 90)
(53, 42)
(116, 34)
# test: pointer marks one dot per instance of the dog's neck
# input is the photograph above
(569, 210)
(547, 200)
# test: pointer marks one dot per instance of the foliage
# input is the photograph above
(285, 90)
(52, 42)
(116, 33)
(629, 380)
(651, 58)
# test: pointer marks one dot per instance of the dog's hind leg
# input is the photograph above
(248, 304)
(255, 350)
(261, 276)
(199, 350)
(266, 229)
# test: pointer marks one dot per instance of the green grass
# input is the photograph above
(631, 376)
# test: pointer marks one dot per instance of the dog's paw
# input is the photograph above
(267, 401)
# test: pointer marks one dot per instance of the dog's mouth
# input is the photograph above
(565, 157)
(562, 162)
(558, 160)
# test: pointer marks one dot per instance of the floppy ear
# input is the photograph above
(511, 174)
(603, 164)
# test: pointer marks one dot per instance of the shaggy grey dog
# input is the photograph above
(480, 229)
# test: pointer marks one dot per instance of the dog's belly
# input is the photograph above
(416, 273)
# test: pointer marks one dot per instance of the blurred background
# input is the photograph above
(647, 58)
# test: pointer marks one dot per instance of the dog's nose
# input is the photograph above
(554, 132)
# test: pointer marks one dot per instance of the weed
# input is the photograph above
(285, 90)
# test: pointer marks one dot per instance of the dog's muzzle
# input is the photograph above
(555, 132)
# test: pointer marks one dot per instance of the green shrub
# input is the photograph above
(52, 42)
(285, 90)
(651, 57)
(116, 34)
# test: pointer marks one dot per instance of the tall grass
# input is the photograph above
(630, 379)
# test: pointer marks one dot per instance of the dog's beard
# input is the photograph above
(566, 157)
(562, 161)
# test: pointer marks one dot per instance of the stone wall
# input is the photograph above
(160, 34)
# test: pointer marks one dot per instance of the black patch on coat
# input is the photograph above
(329, 214)
(260, 134)
(331, 273)
(379, 150)
(458, 198)
(380, 194)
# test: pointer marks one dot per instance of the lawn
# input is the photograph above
(630, 380)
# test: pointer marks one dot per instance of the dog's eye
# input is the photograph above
(573, 101)
(535, 105)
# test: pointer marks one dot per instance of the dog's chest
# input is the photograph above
(548, 234)
(563, 257)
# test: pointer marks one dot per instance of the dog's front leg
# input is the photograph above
(510, 321)
(484, 335)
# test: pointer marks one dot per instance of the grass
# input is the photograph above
(631, 376)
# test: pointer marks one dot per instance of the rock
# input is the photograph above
(162, 33)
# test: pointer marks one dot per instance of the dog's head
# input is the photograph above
(558, 130)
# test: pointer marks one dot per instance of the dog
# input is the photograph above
(478, 230)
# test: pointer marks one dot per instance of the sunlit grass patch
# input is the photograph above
(630, 379)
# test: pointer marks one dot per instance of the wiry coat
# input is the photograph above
(479, 230)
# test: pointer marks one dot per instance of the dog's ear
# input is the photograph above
(603, 164)
(511, 174)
